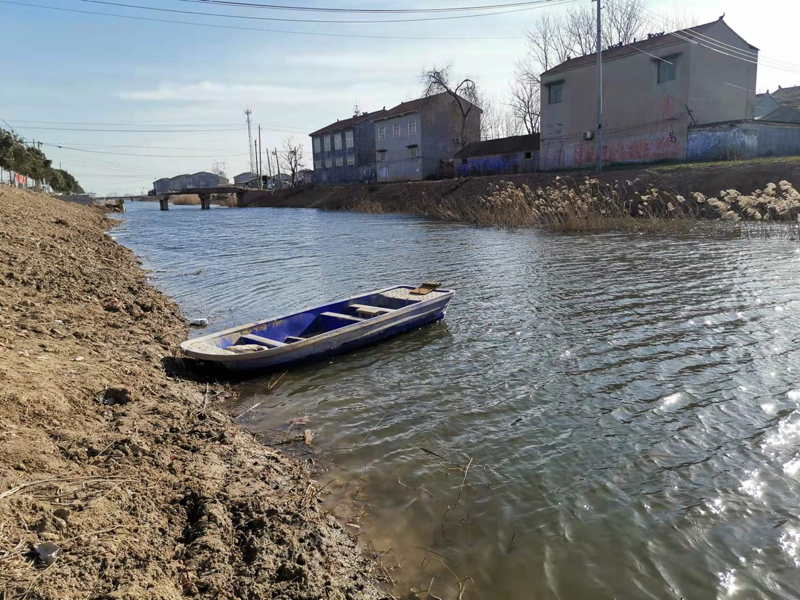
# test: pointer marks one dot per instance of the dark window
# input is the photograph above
(554, 93)
(666, 71)
(527, 155)
(463, 161)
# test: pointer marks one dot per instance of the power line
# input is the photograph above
(102, 124)
(262, 30)
(365, 10)
(717, 46)
(748, 53)
(143, 155)
(536, 5)
(137, 130)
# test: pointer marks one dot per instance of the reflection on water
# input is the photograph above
(629, 404)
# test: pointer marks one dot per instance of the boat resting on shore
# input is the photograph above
(322, 331)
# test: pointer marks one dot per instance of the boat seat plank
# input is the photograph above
(373, 311)
(262, 341)
(295, 338)
(342, 317)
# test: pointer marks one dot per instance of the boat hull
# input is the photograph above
(339, 341)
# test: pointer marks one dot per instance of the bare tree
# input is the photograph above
(291, 159)
(464, 93)
(553, 40)
(524, 98)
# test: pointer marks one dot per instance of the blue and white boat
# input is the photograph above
(325, 330)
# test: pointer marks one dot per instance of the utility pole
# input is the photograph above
(278, 164)
(260, 162)
(255, 149)
(249, 112)
(598, 139)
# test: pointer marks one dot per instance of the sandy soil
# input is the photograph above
(117, 480)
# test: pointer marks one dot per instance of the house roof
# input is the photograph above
(412, 106)
(652, 43)
(352, 121)
(507, 145)
(788, 96)
(783, 114)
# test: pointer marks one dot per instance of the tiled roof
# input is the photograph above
(788, 96)
(507, 145)
(647, 45)
(348, 122)
(411, 106)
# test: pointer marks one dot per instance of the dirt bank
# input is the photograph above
(129, 478)
(418, 197)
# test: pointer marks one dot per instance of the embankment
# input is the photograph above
(118, 479)
(454, 199)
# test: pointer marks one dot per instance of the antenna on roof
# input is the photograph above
(356, 109)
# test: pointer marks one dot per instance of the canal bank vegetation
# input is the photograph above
(228, 200)
(633, 199)
(591, 206)
(119, 477)
(19, 158)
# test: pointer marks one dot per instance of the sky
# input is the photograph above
(184, 88)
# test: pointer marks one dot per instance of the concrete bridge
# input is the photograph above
(204, 193)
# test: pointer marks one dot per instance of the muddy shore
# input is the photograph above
(118, 478)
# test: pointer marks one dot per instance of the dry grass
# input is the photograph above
(593, 206)
(185, 200)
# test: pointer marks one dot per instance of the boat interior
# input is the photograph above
(324, 319)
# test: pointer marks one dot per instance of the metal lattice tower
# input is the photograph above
(249, 112)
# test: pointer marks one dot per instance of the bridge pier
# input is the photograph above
(163, 202)
(205, 201)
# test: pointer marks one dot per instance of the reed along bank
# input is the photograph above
(118, 478)
(575, 201)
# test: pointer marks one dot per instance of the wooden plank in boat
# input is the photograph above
(426, 288)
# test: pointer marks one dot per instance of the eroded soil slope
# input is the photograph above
(116, 480)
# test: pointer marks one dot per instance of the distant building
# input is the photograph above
(782, 105)
(653, 91)
(246, 179)
(202, 179)
(417, 140)
(515, 154)
(305, 176)
(344, 151)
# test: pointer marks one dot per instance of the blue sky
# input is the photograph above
(84, 69)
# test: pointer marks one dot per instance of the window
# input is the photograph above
(412, 152)
(327, 143)
(317, 146)
(337, 141)
(348, 139)
(328, 163)
(666, 70)
(339, 161)
(381, 133)
(351, 159)
(527, 155)
(396, 130)
(464, 161)
(381, 155)
(317, 164)
(412, 127)
(554, 93)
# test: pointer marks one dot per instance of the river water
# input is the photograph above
(629, 404)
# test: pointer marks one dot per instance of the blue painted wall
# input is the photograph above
(498, 164)
(738, 140)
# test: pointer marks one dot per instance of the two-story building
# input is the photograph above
(415, 140)
(344, 151)
(654, 90)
